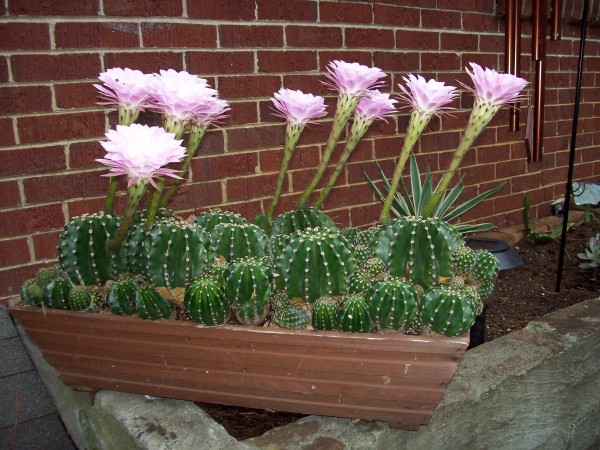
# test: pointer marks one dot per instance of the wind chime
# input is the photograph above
(534, 132)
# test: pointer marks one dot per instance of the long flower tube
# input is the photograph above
(492, 91)
(427, 98)
(375, 106)
(352, 81)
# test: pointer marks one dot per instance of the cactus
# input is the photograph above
(350, 233)
(315, 263)
(248, 288)
(368, 237)
(176, 252)
(485, 267)
(392, 303)
(45, 276)
(463, 259)
(485, 289)
(280, 301)
(374, 266)
(362, 253)
(149, 304)
(234, 241)
(56, 293)
(83, 251)
(353, 315)
(218, 269)
(32, 293)
(324, 314)
(359, 281)
(292, 317)
(121, 296)
(210, 219)
(84, 298)
(205, 301)
(301, 219)
(448, 311)
(419, 249)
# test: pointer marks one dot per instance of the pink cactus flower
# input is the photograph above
(178, 95)
(427, 96)
(495, 88)
(375, 106)
(210, 111)
(352, 78)
(124, 88)
(140, 152)
(297, 107)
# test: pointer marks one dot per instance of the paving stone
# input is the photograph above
(14, 357)
(46, 433)
(33, 399)
(7, 328)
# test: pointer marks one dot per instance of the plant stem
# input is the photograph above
(345, 107)
(418, 122)
(292, 134)
(153, 202)
(359, 128)
(134, 195)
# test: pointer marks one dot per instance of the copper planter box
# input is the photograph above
(395, 378)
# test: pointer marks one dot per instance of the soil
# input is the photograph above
(521, 295)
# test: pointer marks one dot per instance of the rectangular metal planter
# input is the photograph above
(389, 377)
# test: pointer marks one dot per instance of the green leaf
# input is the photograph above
(462, 208)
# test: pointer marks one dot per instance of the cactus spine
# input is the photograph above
(121, 296)
(324, 314)
(353, 315)
(392, 303)
(234, 241)
(292, 317)
(248, 288)
(205, 301)
(448, 311)
(56, 293)
(150, 305)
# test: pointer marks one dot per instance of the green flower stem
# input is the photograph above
(418, 122)
(153, 202)
(345, 107)
(126, 117)
(134, 195)
(196, 136)
(481, 115)
(292, 134)
(359, 128)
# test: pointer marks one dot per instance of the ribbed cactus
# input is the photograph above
(149, 304)
(486, 266)
(32, 293)
(46, 275)
(248, 287)
(315, 263)
(205, 301)
(121, 296)
(234, 241)
(485, 289)
(83, 251)
(419, 249)
(299, 220)
(373, 266)
(210, 219)
(353, 314)
(362, 253)
(463, 259)
(84, 298)
(175, 253)
(280, 300)
(359, 281)
(56, 293)
(325, 314)
(392, 303)
(448, 311)
(218, 269)
(292, 317)
(368, 237)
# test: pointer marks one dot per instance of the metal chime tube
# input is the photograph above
(555, 23)
(513, 52)
(538, 55)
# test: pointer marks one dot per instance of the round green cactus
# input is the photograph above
(373, 266)
(486, 266)
(353, 315)
(485, 289)
(315, 263)
(392, 303)
(463, 259)
(121, 296)
(324, 314)
(84, 298)
(210, 219)
(248, 287)
(218, 269)
(56, 293)
(149, 304)
(359, 281)
(362, 253)
(205, 301)
(448, 311)
(32, 293)
(233, 241)
(280, 300)
(292, 317)
(46, 275)
(299, 220)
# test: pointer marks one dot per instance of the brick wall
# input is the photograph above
(53, 50)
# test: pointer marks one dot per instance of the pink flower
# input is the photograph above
(352, 78)
(428, 97)
(124, 88)
(140, 152)
(375, 105)
(211, 110)
(495, 88)
(297, 107)
(178, 95)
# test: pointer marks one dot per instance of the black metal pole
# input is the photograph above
(563, 241)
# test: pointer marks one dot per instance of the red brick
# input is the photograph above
(418, 40)
(490, 43)
(24, 36)
(75, 95)
(96, 35)
(459, 41)
(44, 245)
(88, 206)
(356, 171)
(397, 61)
(361, 57)
(238, 36)
(7, 135)
(26, 161)
(147, 62)
(194, 195)
(53, 8)
(179, 35)
(303, 157)
(396, 16)
(13, 252)
(212, 63)
(249, 210)
(221, 10)
(313, 37)
(242, 113)
(280, 61)
(22, 100)
(344, 196)
(143, 8)
(55, 67)
(241, 139)
(440, 19)
(460, 5)
(248, 86)
(345, 12)
(12, 279)
(9, 194)
(213, 143)
(365, 216)
(369, 38)
(3, 70)
(224, 166)
(249, 188)
(481, 22)
(30, 220)
(64, 186)
(84, 154)
(285, 10)
(306, 83)
(60, 127)
(441, 61)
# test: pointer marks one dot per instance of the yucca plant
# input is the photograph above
(413, 204)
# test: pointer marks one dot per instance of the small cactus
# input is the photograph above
(292, 317)
(248, 287)
(448, 311)
(233, 241)
(56, 293)
(32, 293)
(360, 281)
(280, 301)
(210, 219)
(353, 315)
(362, 253)
(121, 296)
(374, 266)
(463, 259)
(302, 219)
(485, 267)
(45, 276)
(149, 304)
(324, 314)
(392, 303)
(205, 301)
(84, 298)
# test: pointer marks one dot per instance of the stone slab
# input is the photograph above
(23, 396)
(7, 328)
(46, 432)
(14, 357)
